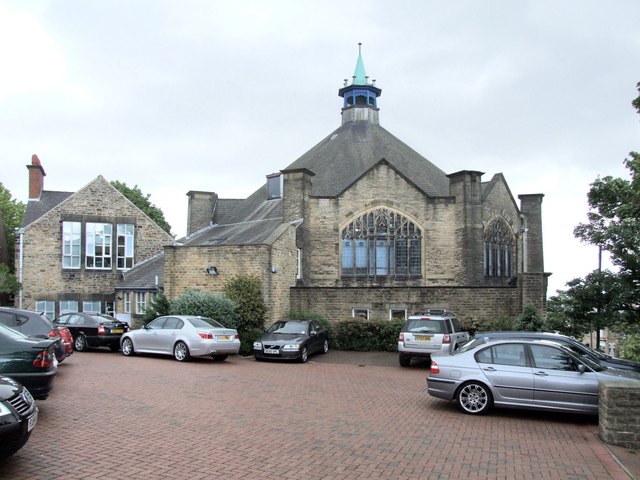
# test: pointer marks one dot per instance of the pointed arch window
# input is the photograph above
(499, 249)
(381, 243)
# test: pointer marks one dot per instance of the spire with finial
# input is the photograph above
(361, 97)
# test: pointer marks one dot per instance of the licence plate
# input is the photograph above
(33, 419)
(117, 330)
(224, 338)
(271, 351)
(423, 338)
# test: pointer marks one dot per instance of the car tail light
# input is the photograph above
(101, 330)
(236, 337)
(43, 360)
(53, 333)
(401, 338)
(206, 335)
(434, 368)
(446, 338)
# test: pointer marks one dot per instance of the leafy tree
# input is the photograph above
(614, 224)
(560, 316)
(197, 302)
(142, 201)
(529, 320)
(631, 348)
(246, 292)
(9, 285)
(12, 215)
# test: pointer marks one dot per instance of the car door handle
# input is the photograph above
(540, 374)
(490, 369)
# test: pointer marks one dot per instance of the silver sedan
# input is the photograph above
(531, 374)
(182, 336)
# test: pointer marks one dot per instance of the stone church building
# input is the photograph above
(363, 225)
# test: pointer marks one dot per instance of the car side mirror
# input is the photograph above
(582, 368)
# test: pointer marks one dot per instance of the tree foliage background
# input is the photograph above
(143, 202)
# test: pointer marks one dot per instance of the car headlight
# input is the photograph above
(4, 410)
(257, 346)
(291, 346)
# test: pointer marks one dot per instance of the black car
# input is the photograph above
(18, 416)
(33, 324)
(93, 330)
(292, 340)
(577, 347)
(28, 360)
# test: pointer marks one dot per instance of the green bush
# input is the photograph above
(196, 302)
(363, 335)
(247, 337)
(631, 347)
(246, 292)
(159, 307)
(529, 320)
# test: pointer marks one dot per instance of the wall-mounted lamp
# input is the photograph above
(211, 270)
(274, 269)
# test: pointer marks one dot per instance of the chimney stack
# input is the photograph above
(36, 178)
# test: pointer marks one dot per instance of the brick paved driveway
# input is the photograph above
(114, 417)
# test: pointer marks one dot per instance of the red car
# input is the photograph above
(67, 340)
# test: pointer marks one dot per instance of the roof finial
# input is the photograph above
(359, 48)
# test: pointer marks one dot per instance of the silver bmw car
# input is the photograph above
(182, 336)
(520, 373)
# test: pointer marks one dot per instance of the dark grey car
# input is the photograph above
(520, 373)
(577, 347)
(292, 340)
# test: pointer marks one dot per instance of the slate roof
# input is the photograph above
(37, 208)
(354, 148)
(142, 276)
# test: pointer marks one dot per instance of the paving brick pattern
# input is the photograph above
(114, 417)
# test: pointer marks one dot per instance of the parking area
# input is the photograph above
(336, 417)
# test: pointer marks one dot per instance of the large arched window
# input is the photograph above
(381, 243)
(499, 249)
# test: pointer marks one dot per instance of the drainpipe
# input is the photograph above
(20, 265)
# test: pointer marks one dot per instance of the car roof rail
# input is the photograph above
(436, 311)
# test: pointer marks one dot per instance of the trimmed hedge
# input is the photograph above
(374, 335)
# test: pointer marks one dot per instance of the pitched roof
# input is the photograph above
(354, 148)
(143, 275)
(47, 201)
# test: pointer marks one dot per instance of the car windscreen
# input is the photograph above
(291, 327)
(9, 332)
(425, 325)
(205, 323)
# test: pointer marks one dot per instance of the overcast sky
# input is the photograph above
(214, 95)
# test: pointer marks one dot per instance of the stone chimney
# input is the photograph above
(36, 178)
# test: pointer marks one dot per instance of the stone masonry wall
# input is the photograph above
(468, 303)
(619, 413)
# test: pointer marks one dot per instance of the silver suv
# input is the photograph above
(432, 331)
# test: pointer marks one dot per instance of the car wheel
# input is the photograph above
(127, 347)
(181, 352)
(474, 398)
(304, 354)
(325, 346)
(219, 358)
(404, 360)
(114, 347)
(80, 343)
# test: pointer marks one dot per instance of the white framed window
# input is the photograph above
(68, 306)
(360, 313)
(124, 245)
(141, 302)
(398, 313)
(298, 263)
(71, 244)
(127, 302)
(48, 307)
(91, 306)
(98, 246)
